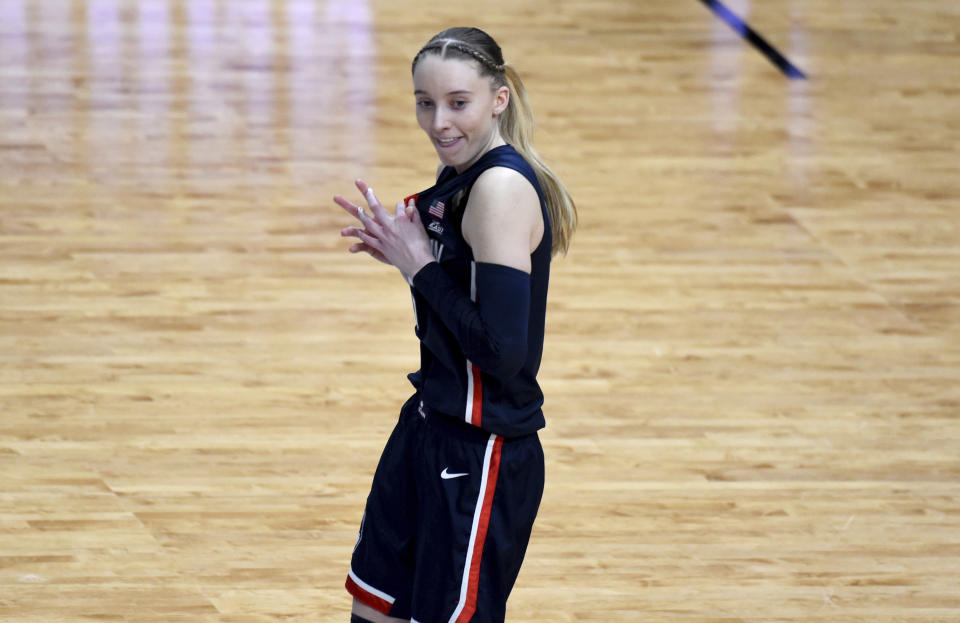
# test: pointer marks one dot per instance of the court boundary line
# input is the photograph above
(743, 29)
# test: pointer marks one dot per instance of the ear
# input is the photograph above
(501, 98)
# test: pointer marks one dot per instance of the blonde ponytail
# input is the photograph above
(516, 128)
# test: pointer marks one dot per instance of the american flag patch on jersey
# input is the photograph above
(437, 209)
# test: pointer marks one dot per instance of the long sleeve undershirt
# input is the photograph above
(492, 332)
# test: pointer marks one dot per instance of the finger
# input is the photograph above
(370, 241)
(372, 225)
(379, 212)
(354, 232)
(362, 248)
(401, 209)
(371, 198)
(370, 222)
(368, 193)
(379, 216)
(351, 208)
(344, 203)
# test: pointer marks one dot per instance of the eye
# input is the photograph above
(459, 103)
(424, 103)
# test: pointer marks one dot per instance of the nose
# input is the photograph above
(440, 120)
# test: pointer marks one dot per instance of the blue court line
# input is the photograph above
(743, 29)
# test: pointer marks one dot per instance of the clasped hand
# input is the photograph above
(398, 240)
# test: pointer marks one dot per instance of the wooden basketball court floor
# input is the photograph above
(752, 364)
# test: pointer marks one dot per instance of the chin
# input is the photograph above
(447, 161)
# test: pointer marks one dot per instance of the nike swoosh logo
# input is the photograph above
(446, 475)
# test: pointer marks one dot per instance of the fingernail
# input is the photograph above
(370, 196)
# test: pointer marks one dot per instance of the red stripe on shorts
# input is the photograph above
(493, 472)
(369, 599)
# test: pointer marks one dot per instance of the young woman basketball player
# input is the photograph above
(458, 485)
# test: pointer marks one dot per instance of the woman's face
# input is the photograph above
(458, 109)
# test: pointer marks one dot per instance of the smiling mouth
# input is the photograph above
(447, 142)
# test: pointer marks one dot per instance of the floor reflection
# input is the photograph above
(162, 89)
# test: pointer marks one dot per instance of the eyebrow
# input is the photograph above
(458, 92)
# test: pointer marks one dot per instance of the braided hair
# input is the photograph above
(442, 45)
(515, 123)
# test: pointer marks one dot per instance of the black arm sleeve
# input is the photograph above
(492, 332)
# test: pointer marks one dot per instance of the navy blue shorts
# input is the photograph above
(447, 520)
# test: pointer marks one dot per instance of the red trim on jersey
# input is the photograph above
(415, 198)
(476, 409)
(369, 599)
(494, 471)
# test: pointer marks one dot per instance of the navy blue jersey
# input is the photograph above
(449, 384)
